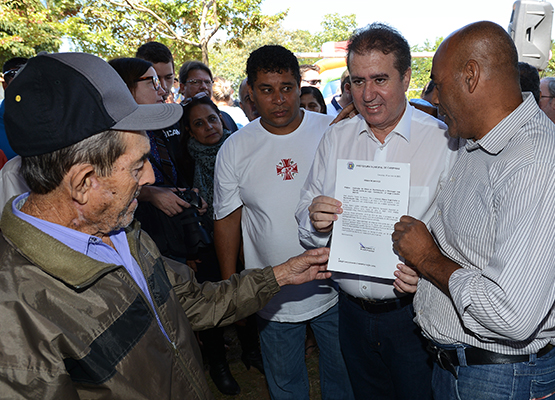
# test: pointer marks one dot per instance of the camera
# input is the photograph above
(191, 197)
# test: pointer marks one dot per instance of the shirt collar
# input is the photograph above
(81, 242)
(495, 140)
(402, 128)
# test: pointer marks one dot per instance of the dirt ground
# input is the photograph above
(252, 382)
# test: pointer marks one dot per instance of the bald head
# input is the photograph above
(246, 103)
(476, 72)
(490, 45)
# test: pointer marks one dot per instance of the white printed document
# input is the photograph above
(374, 196)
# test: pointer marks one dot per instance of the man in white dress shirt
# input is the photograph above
(383, 348)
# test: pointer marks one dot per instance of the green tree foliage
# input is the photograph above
(336, 28)
(114, 28)
(550, 70)
(421, 67)
(26, 28)
(230, 60)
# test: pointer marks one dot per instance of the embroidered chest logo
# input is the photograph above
(287, 168)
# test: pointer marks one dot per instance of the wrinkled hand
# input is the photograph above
(349, 111)
(407, 279)
(310, 265)
(323, 212)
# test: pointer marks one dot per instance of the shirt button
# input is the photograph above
(438, 212)
(364, 287)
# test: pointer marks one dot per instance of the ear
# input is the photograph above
(181, 88)
(406, 79)
(471, 75)
(81, 178)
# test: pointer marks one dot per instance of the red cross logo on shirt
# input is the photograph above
(287, 169)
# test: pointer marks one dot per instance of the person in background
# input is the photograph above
(9, 70)
(425, 102)
(195, 77)
(167, 140)
(246, 103)
(205, 135)
(162, 62)
(339, 101)
(313, 100)
(142, 81)
(222, 93)
(426, 96)
(547, 94)
(11, 181)
(310, 75)
(529, 80)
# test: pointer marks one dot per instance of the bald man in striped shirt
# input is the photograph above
(486, 297)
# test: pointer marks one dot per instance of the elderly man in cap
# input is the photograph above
(89, 308)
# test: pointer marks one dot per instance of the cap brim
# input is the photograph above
(148, 117)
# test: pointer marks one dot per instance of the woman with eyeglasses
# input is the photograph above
(143, 83)
(203, 135)
(141, 79)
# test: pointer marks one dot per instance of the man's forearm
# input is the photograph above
(438, 270)
(413, 242)
(227, 241)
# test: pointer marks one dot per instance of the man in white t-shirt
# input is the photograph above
(259, 172)
(383, 348)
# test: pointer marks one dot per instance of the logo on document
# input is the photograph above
(350, 165)
(364, 248)
(287, 168)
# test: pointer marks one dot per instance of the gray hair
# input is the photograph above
(45, 172)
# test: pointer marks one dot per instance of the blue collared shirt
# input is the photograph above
(91, 246)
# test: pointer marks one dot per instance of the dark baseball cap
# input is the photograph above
(57, 100)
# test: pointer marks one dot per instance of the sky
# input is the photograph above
(417, 20)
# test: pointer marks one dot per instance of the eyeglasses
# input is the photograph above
(197, 96)
(155, 81)
(549, 97)
(10, 73)
(313, 82)
(198, 82)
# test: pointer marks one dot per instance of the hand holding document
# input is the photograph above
(374, 196)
